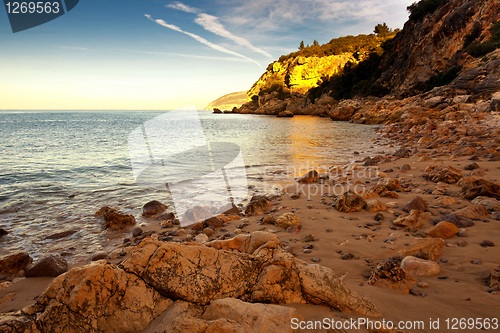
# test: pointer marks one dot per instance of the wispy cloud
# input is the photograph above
(74, 48)
(184, 55)
(200, 39)
(211, 23)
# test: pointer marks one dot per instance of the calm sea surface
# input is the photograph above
(58, 168)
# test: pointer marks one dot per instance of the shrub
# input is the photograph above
(418, 10)
(478, 49)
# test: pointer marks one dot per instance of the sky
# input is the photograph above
(164, 55)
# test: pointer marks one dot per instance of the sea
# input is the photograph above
(57, 168)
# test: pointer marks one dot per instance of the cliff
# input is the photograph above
(447, 52)
(298, 72)
(436, 44)
(229, 101)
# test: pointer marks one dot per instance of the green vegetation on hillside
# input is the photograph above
(348, 44)
(418, 10)
(478, 49)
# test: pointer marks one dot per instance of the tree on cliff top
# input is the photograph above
(301, 45)
(418, 10)
(382, 30)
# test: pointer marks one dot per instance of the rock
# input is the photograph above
(62, 234)
(349, 202)
(416, 203)
(136, 232)
(287, 220)
(315, 259)
(414, 221)
(415, 292)
(416, 266)
(3, 232)
(201, 238)
(285, 114)
(14, 263)
(99, 256)
(214, 221)
(348, 256)
(471, 166)
(472, 188)
(388, 274)
(309, 238)
(473, 212)
(391, 184)
(406, 167)
(257, 205)
(258, 317)
(208, 231)
(431, 246)
(98, 297)
(491, 204)
(153, 208)
(374, 205)
(443, 230)
(268, 219)
(495, 278)
(445, 174)
(49, 266)
(487, 243)
(462, 243)
(197, 214)
(255, 277)
(218, 111)
(310, 177)
(462, 233)
(114, 218)
(403, 152)
(477, 262)
(294, 229)
(446, 201)
(459, 221)
(379, 217)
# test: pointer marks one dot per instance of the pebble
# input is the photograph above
(477, 262)
(462, 233)
(379, 217)
(462, 243)
(310, 246)
(309, 238)
(315, 259)
(99, 255)
(136, 232)
(348, 256)
(443, 277)
(487, 243)
(208, 231)
(444, 261)
(306, 251)
(415, 292)
(423, 285)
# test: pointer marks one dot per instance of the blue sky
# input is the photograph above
(156, 54)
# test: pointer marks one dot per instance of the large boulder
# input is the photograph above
(388, 274)
(115, 219)
(349, 202)
(472, 188)
(268, 275)
(259, 204)
(49, 266)
(391, 184)
(287, 220)
(98, 297)
(495, 278)
(14, 263)
(227, 315)
(445, 174)
(153, 208)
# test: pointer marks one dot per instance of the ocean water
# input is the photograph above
(58, 168)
